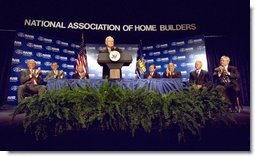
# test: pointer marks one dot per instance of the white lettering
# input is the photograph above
(145, 28)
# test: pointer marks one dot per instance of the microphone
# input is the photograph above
(113, 48)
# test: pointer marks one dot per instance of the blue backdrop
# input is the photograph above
(45, 49)
(182, 52)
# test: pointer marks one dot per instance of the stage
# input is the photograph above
(214, 137)
(104, 117)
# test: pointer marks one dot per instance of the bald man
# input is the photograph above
(199, 77)
(109, 42)
(171, 73)
(31, 81)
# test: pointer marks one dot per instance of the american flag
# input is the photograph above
(82, 56)
(82, 60)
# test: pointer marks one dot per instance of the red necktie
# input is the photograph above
(33, 79)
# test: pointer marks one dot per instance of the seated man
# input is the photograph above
(227, 77)
(80, 74)
(55, 73)
(31, 81)
(171, 73)
(199, 77)
(152, 73)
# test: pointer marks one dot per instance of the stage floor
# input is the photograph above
(214, 138)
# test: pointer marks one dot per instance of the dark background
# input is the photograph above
(225, 24)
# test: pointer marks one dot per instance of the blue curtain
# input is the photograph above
(6, 49)
(239, 54)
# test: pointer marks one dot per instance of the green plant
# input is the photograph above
(116, 109)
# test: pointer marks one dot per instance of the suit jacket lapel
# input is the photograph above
(229, 69)
(28, 72)
(52, 73)
(107, 50)
(195, 74)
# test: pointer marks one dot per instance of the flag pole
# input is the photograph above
(82, 42)
(139, 52)
(82, 39)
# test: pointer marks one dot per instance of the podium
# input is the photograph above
(115, 67)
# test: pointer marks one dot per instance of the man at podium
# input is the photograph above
(109, 42)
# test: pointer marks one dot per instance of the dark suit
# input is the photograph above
(201, 79)
(77, 76)
(228, 84)
(106, 70)
(177, 74)
(28, 87)
(51, 75)
(155, 75)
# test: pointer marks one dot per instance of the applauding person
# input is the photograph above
(81, 74)
(171, 73)
(227, 77)
(31, 81)
(55, 73)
